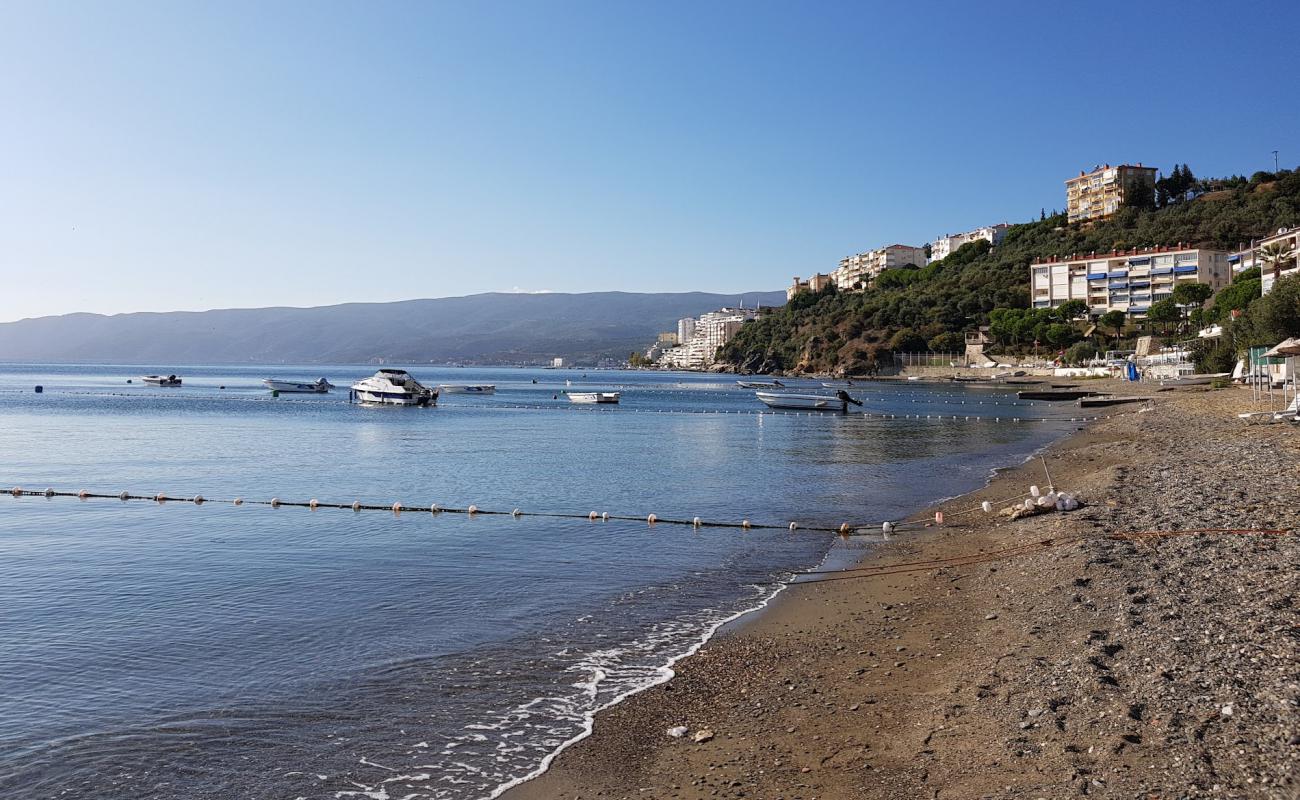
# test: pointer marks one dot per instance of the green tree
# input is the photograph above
(950, 342)
(1276, 256)
(1071, 310)
(1164, 313)
(1114, 320)
(907, 341)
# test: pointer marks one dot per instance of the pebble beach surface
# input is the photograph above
(1077, 664)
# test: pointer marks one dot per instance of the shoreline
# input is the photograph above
(775, 722)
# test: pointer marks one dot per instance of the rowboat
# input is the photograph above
(161, 380)
(759, 384)
(320, 386)
(593, 397)
(468, 388)
(809, 402)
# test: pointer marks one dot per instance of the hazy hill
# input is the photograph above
(477, 328)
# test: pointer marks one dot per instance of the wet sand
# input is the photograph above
(1074, 665)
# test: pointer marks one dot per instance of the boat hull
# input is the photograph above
(297, 388)
(156, 380)
(803, 402)
(593, 397)
(467, 389)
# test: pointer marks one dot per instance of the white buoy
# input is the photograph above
(17, 491)
(239, 501)
(356, 505)
(794, 526)
(81, 495)
(1033, 490)
(473, 509)
(938, 518)
(604, 516)
(312, 503)
(198, 499)
(275, 502)
(592, 515)
(744, 523)
(696, 522)
(651, 519)
(433, 508)
(1029, 503)
(516, 513)
(844, 529)
(397, 508)
(160, 497)
(49, 492)
(987, 506)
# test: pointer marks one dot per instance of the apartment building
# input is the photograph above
(857, 271)
(945, 246)
(1288, 239)
(1128, 281)
(814, 284)
(1099, 194)
(709, 332)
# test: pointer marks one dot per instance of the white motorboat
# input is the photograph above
(809, 402)
(760, 384)
(593, 397)
(393, 387)
(161, 380)
(467, 388)
(320, 386)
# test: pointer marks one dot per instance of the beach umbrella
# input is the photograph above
(1289, 347)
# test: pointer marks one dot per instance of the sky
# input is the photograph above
(170, 155)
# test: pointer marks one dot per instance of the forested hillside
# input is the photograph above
(929, 308)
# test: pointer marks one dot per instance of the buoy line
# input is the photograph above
(844, 529)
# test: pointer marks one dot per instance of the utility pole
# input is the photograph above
(1275, 161)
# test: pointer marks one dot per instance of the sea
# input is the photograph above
(220, 650)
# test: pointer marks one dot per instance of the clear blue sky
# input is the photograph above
(158, 156)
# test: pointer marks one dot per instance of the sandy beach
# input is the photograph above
(1047, 657)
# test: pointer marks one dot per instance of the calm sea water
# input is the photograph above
(215, 651)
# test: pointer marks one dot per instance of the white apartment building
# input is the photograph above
(685, 329)
(709, 332)
(1126, 281)
(945, 246)
(857, 271)
(1250, 257)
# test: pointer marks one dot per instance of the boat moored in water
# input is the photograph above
(808, 402)
(759, 384)
(319, 386)
(593, 397)
(393, 387)
(161, 380)
(467, 388)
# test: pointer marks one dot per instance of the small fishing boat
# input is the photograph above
(319, 386)
(759, 384)
(593, 397)
(1196, 380)
(468, 388)
(161, 380)
(393, 387)
(810, 402)
(836, 384)
(1067, 394)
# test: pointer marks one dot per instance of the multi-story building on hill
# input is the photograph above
(1128, 281)
(944, 246)
(1099, 194)
(857, 271)
(1260, 254)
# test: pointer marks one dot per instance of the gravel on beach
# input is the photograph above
(1151, 667)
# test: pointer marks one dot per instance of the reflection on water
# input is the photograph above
(221, 651)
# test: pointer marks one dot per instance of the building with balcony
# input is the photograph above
(1288, 239)
(1128, 281)
(1099, 194)
(709, 332)
(945, 246)
(814, 284)
(857, 271)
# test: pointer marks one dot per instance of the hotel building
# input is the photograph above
(1099, 194)
(857, 271)
(944, 246)
(1250, 257)
(1127, 281)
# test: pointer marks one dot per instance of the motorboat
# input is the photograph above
(1188, 379)
(810, 402)
(161, 380)
(760, 384)
(393, 387)
(467, 388)
(320, 386)
(837, 384)
(593, 397)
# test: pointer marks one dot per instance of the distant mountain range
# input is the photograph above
(482, 328)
